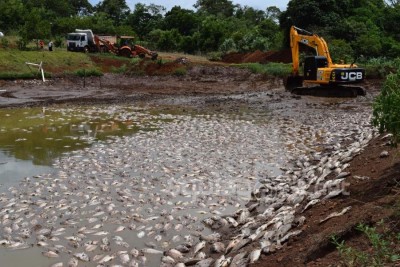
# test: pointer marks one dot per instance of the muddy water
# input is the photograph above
(154, 175)
(32, 138)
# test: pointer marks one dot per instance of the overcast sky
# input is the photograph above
(188, 4)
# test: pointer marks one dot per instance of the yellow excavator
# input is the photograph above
(321, 77)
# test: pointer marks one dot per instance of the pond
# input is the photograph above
(106, 180)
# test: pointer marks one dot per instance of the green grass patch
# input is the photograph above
(14, 75)
(121, 69)
(180, 71)
(381, 252)
(13, 62)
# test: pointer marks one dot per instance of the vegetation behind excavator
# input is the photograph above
(321, 77)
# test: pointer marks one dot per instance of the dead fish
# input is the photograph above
(309, 204)
(255, 255)
(241, 244)
(124, 257)
(82, 256)
(199, 246)
(214, 237)
(58, 264)
(168, 260)
(335, 214)
(182, 248)
(101, 233)
(141, 234)
(120, 228)
(151, 251)
(231, 245)
(42, 244)
(134, 252)
(232, 221)
(90, 247)
(222, 261)
(174, 254)
(239, 260)
(50, 254)
(73, 262)
(205, 263)
(217, 247)
(106, 258)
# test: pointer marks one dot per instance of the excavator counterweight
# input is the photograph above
(320, 76)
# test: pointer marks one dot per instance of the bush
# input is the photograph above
(380, 67)
(214, 56)
(4, 42)
(386, 107)
(180, 71)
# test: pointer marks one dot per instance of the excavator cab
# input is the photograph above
(311, 66)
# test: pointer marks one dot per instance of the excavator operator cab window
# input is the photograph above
(311, 65)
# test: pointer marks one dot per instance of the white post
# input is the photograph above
(40, 68)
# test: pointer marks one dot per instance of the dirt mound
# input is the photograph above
(107, 64)
(283, 56)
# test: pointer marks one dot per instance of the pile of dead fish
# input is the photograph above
(167, 197)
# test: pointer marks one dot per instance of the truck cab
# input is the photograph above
(77, 42)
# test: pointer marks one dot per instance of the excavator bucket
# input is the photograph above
(293, 82)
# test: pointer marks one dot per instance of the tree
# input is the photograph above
(11, 14)
(145, 18)
(117, 10)
(212, 33)
(184, 20)
(81, 7)
(273, 13)
(216, 7)
(250, 15)
(35, 26)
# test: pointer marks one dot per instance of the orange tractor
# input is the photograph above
(86, 41)
(123, 47)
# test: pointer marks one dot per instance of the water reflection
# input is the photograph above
(41, 135)
(32, 138)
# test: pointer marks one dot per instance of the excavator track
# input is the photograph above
(330, 91)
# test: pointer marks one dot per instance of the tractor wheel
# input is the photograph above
(141, 55)
(125, 52)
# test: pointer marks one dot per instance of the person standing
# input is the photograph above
(50, 46)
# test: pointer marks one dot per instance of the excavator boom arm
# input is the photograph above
(309, 39)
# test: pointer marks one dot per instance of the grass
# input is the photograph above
(13, 63)
(380, 67)
(382, 250)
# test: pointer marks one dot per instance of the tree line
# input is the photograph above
(353, 28)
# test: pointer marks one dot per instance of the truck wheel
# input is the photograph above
(86, 49)
(141, 55)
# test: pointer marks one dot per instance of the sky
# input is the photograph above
(188, 4)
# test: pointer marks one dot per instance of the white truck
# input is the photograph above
(84, 41)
